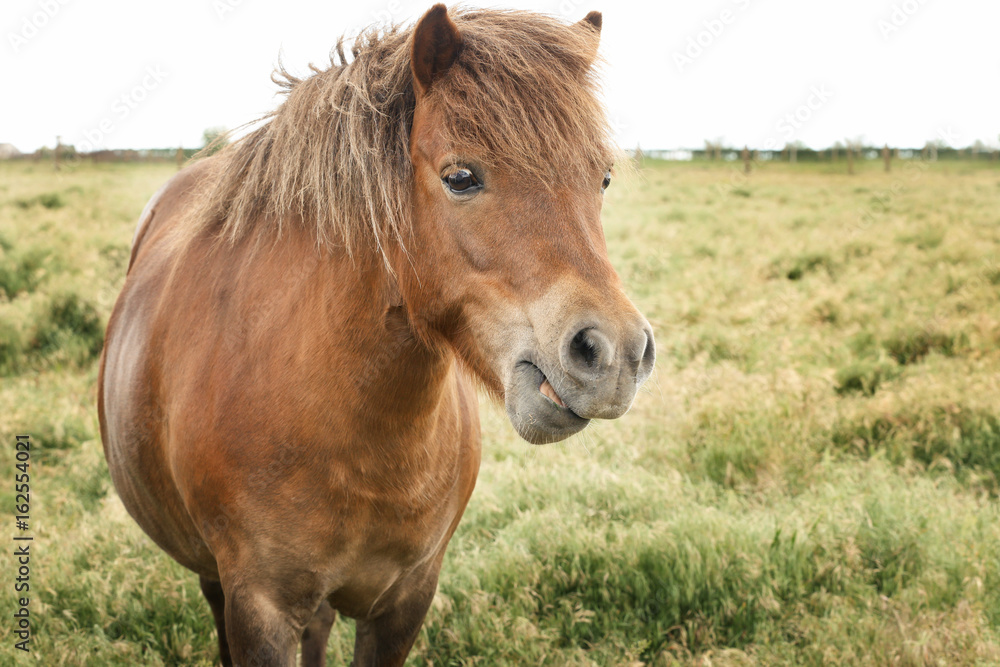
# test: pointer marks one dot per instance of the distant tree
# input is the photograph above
(853, 149)
(713, 149)
(849, 150)
(931, 148)
(792, 148)
(214, 139)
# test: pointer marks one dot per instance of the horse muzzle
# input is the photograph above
(594, 373)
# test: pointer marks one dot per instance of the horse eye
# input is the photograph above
(462, 180)
(607, 181)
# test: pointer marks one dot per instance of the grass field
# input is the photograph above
(810, 478)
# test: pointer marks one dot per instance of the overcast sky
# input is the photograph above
(128, 74)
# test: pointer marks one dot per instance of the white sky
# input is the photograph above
(896, 71)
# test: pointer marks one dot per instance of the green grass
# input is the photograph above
(811, 477)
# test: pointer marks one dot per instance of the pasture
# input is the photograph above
(809, 478)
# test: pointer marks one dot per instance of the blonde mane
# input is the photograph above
(335, 155)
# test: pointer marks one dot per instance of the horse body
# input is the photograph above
(296, 420)
(259, 448)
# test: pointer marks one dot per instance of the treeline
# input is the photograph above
(790, 153)
(69, 154)
(793, 153)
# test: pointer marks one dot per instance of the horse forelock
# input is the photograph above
(335, 154)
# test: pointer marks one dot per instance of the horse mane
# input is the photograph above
(335, 157)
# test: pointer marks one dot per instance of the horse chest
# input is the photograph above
(386, 536)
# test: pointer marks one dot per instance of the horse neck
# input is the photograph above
(397, 378)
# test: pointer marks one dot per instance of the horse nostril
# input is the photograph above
(641, 352)
(583, 348)
(648, 354)
(600, 362)
(586, 354)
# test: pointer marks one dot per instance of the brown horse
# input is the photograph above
(287, 392)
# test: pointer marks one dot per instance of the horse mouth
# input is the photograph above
(535, 408)
(546, 389)
(548, 392)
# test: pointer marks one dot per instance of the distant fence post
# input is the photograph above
(57, 153)
(887, 158)
(746, 159)
(850, 159)
(180, 157)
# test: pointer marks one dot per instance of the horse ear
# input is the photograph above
(436, 43)
(591, 23)
(592, 20)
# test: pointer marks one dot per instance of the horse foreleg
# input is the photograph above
(315, 636)
(259, 634)
(217, 601)
(386, 640)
